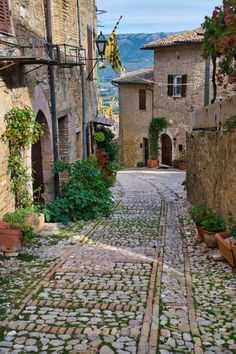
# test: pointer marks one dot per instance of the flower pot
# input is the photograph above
(10, 240)
(200, 232)
(210, 239)
(4, 225)
(225, 247)
(182, 166)
(152, 163)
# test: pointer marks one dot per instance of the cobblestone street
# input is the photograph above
(138, 282)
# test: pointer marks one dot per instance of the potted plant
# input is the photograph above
(227, 242)
(156, 126)
(10, 240)
(180, 162)
(198, 213)
(212, 224)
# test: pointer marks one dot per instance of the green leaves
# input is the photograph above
(156, 126)
(22, 130)
(83, 196)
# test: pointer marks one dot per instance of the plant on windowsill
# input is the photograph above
(227, 241)
(211, 225)
(156, 127)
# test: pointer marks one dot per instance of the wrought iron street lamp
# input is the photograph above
(101, 43)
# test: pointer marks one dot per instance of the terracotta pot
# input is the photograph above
(225, 247)
(233, 245)
(152, 163)
(210, 239)
(182, 166)
(10, 240)
(4, 225)
(200, 232)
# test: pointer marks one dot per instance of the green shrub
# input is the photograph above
(213, 223)
(83, 196)
(199, 212)
(156, 126)
(230, 123)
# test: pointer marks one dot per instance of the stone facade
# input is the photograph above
(211, 172)
(133, 123)
(178, 60)
(19, 87)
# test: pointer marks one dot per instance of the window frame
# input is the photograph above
(7, 27)
(177, 86)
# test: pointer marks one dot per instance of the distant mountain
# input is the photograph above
(131, 56)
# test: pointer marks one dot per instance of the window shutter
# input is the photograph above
(170, 85)
(184, 86)
(5, 17)
(142, 99)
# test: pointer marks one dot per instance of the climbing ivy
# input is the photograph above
(22, 130)
(156, 126)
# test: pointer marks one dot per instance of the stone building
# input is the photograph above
(135, 114)
(180, 86)
(43, 45)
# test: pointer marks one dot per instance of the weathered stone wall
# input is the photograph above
(134, 123)
(211, 175)
(18, 88)
(179, 60)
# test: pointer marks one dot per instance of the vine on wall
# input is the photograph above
(156, 127)
(22, 130)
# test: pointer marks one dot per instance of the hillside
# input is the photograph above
(131, 57)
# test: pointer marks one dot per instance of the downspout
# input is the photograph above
(83, 79)
(51, 73)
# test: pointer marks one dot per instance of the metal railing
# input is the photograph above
(71, 55)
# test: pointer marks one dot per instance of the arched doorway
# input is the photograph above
(42, 160)
(166, 148)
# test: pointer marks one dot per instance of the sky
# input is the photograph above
(151, 16)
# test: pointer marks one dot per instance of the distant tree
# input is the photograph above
(220, 42)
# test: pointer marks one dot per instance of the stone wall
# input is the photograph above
(212, 169)
(134, 123)
(179, 60)
(19, 88)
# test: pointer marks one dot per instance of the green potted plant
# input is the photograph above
(212, 224)
(198, 213)
(156, 126)
(227, 241)
(180, 162)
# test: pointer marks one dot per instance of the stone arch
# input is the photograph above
(166, 149)
(42, 151)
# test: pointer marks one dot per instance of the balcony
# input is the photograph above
(69, 55)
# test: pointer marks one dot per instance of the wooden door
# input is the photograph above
(145, 150)
(37, 171)
(166, 145)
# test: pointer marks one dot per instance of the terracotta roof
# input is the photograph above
(179, 39)
(136, 77)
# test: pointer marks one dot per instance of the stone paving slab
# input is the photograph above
(140, 283)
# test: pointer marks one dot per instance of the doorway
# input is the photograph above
(166, 148)
(145, 150)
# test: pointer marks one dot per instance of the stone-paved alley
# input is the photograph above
(139, 282)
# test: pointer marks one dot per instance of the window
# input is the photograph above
(5, 17)
(142, 99)
(177, 85)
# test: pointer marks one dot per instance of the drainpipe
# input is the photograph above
(83, 79)
(51, 73)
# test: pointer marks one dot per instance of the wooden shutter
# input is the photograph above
(170, 85)
(90, 52)
(5, 17)
(142, 99)
(184, 86)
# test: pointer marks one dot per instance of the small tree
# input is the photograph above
(156, 127)
(22, 130)
(220, 42)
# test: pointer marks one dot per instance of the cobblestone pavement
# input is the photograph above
(140, 282)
